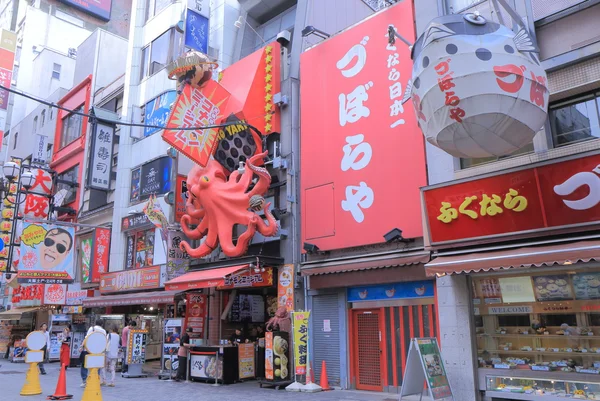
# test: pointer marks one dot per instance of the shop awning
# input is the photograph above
(549, 255)
(15, 314)
(144, 298)
(202, 278)
(365, 263)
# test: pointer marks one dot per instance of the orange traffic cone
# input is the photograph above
(324, 379)
(61, 387)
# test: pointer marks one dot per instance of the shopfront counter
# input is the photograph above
(205, 366)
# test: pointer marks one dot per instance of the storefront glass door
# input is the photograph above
(367, 349)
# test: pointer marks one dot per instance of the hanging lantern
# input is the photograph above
(477, 87)
(5, 226)
(193, 67)
(8, 213)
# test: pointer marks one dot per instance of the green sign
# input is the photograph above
(86, 257)
(433, 367)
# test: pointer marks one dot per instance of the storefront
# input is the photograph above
(533, 289)
(144, 244)
(364, 312)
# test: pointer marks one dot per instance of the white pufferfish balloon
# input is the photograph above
(477, 87)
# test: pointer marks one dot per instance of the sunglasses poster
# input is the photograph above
(47, 254)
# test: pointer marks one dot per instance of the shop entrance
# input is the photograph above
(367, 348)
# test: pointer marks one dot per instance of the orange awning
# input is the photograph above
(365, 263)
(202, 278)
(549, 255)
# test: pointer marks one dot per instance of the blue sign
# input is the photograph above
(196, 31)
(157, 111)
(1, 245)
(413, 289)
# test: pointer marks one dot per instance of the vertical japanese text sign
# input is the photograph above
(300, 320)
(99, 173)
(100, 253)
(354, 178)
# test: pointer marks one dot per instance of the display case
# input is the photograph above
(532, 388)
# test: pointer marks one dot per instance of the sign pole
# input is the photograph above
(295, 386)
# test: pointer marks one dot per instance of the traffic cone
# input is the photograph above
(324, 379)
(92, 390)
(61, 387)
(32, 381)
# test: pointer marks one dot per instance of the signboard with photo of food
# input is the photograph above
(586, 285)
(552, 288)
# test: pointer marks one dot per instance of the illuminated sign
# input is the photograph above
(97, 8)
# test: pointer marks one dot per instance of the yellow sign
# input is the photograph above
(490, 205)
(300, 320)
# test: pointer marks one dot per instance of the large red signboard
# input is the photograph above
(544, 197)
(363, 158)
(101, 253)
(196, 314)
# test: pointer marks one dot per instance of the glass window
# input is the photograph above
(71, 128)
(16, 139)
(140, 249)
(575, 121)
(144, 65)
(466, 163)
(49, 153)
(56, 71)
(159, 55)
(70, 176)
(43, 118)
(154, 7)
(35, 122)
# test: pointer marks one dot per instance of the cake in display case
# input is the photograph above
(546, 389)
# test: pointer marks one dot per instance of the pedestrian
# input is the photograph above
(65, 348)
(184, 344)
(44, 329)
(83, 370)
(98, 328)
(112, 354)
(124, 338)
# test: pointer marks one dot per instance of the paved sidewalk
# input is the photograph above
(12, 378)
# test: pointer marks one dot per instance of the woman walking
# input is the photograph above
(112, 354)
(44, 329)
(65, 348)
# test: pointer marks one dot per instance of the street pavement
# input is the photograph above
(12, 378)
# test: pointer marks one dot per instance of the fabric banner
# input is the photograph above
(300, 320)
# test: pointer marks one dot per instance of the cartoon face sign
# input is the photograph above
(477, 87)
(55, 248)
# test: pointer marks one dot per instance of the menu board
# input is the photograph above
(196, 314)
(552, 288)
(136, 348)
(206, 366)
(77, 344)
(586, 285)
(55, 343)
(246, 361)
(172, 336)
(434, 370)
(248, 308)
(490, 289)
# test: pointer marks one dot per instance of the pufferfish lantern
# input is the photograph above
(477, 87)
(192, 68)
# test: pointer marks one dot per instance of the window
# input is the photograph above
(49, 152)
(140, 249)
(71, 128)
(153, 7)
(43, 118)
(35, 121)
(466, 163)
(56, 71)
(160, 52)
(71, 176)
(575, 121)
(16, 138)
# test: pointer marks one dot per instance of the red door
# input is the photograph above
(367, 349)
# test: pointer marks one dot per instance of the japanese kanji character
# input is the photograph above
(489, 206)
(538, 89)
(394, 75)
(397, 123)
(446, 83)
(104, 136)
(302, 359)
(176, 241)
(452, 99)
(357, 154)
(465, 204)
(358, 198)
(42, 182)
(393, 60)
(352, 108)
(102, 167)
(302, 349)
(514, 74)
(515, 202)
(358, 52)
(447, 213)
(36, 206)
(396, 108)
(396, 90)
(103, 153)
(443, 67)
(457, 114)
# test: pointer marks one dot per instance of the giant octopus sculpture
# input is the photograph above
(218, 201)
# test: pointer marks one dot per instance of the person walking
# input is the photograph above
(98, 328)
(131, 326)
(65, 347)
(83, 370)
(184, 344)
(112, 354)
(44, 329)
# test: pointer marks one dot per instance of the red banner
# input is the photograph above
(100, 253)
(129, 280)
(248, 278)
(180, 197)
(544, 197)
(363, 159)
(196, 314)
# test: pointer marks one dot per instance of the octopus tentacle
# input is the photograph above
(243, 240)
(204, 249)
(196, 233)
(267, 230)
(264, 178)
